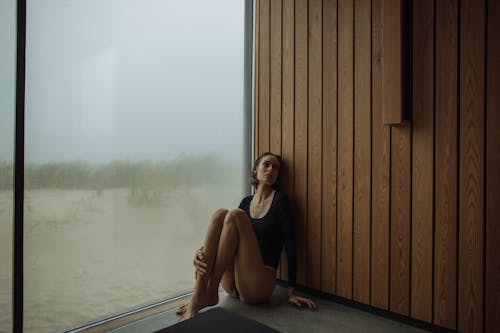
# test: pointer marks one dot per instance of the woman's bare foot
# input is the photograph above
(196, 303)
(182, 309)
(233, 293)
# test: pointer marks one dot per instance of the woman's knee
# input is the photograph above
(219, 215)
(235, 217)
(237, 213)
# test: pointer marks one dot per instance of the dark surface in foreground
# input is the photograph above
(220, 321)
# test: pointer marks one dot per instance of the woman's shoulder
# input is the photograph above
(282, 204)
(281, 198)
(280, 195)
(247, 198)
(245, 201)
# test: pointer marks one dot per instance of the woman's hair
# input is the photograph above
(253, 177)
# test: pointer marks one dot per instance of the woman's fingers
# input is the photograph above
(200, 271)
(299, 301)
(312, 306)
(199, 256)
(309, 303)
(199, 264)
(304, 301)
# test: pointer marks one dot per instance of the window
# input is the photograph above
(7, 111)
(134, 136)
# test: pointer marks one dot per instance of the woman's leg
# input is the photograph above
(209, 252)
(228, 281)
(228, 284)
(238, 245)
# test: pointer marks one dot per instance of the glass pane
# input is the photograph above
(7, 112)
(133, 138)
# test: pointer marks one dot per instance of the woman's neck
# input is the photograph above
(263, 193)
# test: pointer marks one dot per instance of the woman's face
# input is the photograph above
(267, 170)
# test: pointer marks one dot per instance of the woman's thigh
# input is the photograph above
(228, 283)
(255, 281)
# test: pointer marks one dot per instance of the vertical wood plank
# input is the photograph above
(471, 197)
(264, 74)
(380, 174)
(275, 69)
(314, 146)
(492, 288)
(329, 197)
(423, 160)
(392, 64)
(288, 109)
(256, 82)
(275, 83)
(446, 187)
(400, 219)
(362, 150)
(301, 136)
(345, 141)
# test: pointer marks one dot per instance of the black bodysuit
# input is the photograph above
(274, 229)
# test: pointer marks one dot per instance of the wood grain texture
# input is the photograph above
(329, 188)
(471, 198)
(362, 150)
(345, 147)
(288, 109)
(416, 172)
(446, 187)
(256, 82)
(423, 160)
(492, 288)
(301, 82)
(380, 174)
(264, 74)
(275, 85)
(392, 61)
(400, 219)
(314, 151)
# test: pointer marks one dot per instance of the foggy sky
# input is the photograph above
(127, 79)
(7, 78)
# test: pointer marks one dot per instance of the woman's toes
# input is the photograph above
(181, 310)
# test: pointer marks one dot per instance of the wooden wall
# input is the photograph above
(401, 218)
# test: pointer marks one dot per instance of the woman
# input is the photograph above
(243, 246)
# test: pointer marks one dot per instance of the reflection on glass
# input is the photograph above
(133, 138)
(7, 112)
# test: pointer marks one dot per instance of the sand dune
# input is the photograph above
(90, 254)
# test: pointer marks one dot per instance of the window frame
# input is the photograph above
(19, 161)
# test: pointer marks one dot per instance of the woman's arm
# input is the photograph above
(288, 233)
(289, 240)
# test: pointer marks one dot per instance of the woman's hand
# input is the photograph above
(199, 263)
(300, 301)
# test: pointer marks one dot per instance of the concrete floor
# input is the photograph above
(331, 317)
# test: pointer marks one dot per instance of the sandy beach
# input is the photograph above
(90, 254)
